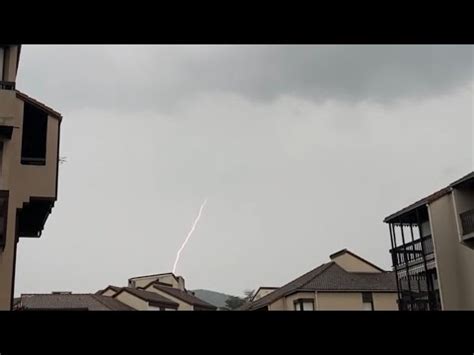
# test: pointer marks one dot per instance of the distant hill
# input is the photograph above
(215, 298)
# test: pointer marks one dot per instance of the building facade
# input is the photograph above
(29, 157)
(347, 282)
(158, 292)
(432, 249)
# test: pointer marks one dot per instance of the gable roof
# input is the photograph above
(330, 277)
(85, 302)
(184, 296)
(150, 297)
(346, 251)
(153, 275)
(110, 287)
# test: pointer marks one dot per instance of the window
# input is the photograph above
(367, 301)
(33, 144)
(3, 217)
(304, 304)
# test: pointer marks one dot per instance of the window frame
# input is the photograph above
(298, 304)
(368, 298)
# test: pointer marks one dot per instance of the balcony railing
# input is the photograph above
(7, 85)
(413, 250)
(467, 222)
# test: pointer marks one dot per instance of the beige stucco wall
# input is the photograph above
(333, 301)
(352, 264)
(342, 301)
(183, 306)
(132, 301)
(455, 261)
(289, 305)
(278, 305)
(385, 301)
(22, 181)
(262, 292)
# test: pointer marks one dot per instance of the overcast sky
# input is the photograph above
(300, 150)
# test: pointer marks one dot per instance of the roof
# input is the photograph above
(85, 302)
(40, 105)
(345, 251)
(428, 199)
(153, 275)
(151, 297)
(330, 277)
(184, 296)
(113, 288)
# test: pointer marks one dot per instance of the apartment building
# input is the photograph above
(158, 292)
(432, 249)
(347, 282)
(29, 155)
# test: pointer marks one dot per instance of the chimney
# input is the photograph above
(181, 283)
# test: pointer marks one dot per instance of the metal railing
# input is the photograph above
(413, 250)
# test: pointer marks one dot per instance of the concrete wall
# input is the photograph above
(353, 264)
(455, 261)
(22, 181)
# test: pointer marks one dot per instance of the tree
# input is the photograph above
(249, 295)
(234, 302)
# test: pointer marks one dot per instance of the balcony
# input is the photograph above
(412, 252)
(467, 222)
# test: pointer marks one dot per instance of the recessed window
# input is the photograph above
(367, 301)
(304, 305)
(33, 144)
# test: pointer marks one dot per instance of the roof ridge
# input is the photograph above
(98, 299)
(323, 267)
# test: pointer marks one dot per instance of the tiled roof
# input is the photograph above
(184, 296)
(330, 277)
(86, 301)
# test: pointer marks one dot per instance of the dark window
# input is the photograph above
(35, 127)
(367, 301)
(3, 217)
(304, 305)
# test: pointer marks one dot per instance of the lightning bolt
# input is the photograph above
(178, 254)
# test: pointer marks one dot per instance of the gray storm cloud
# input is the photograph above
(163, 77)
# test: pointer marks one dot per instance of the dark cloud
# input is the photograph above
(135, 78)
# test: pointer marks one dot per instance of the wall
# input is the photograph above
(22, 181)
(385, 301)
(353, 264)
(183, 306)
(289, 300)
(262, 292)
(132, 301)
(341, 301)
(455, 261)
